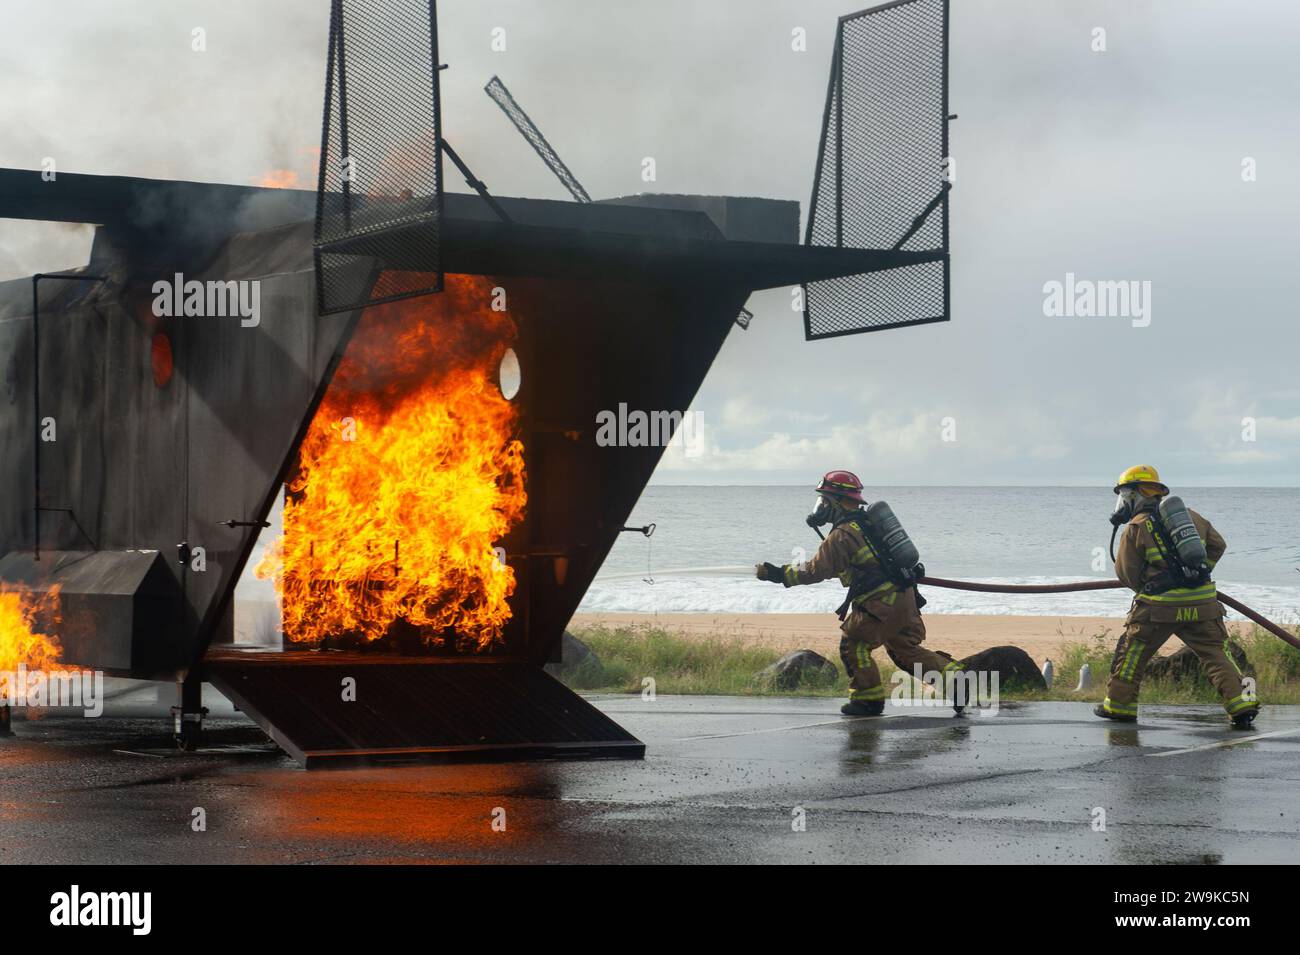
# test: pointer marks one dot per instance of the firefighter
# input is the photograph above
(1165, 556)
(879, 609)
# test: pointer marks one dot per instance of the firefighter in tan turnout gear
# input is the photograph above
(870, 553)
(1165, 556)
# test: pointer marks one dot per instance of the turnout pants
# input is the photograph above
(894, 622)
(1142, 639)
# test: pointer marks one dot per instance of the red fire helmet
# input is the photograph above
(843, 484)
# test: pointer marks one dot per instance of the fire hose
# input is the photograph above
(1236, 605)
(1112, 584)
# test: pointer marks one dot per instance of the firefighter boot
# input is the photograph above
(1243, 720)
(1105, 714)
(863, 708)
(958, 686)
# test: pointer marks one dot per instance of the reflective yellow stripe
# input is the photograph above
(1183, 595)
(1228, 653)
(882, 591)
(1131, 657)
(1239, 703)
(791, 575)
(1119, 709)
(864, 554)
(876, 692)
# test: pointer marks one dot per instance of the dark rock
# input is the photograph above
(787, 672)
(1185, 665)
(1013, 666)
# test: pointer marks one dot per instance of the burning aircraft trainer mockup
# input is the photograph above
(420, 374)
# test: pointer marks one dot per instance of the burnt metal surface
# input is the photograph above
(742, 218)
(183, 429)
(142, 463)
(881, 181)
(154, 220)
(513, 248)
(120, 610)
(381, 152)
(726, 239)
(414, 708)
(201, 456)
(615, 303)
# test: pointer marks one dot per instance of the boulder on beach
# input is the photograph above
(789, 671)
(1013, 666)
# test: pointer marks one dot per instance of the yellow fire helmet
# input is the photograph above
(1145, 478)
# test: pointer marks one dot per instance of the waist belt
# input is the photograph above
(863, 586)
(1168, 581)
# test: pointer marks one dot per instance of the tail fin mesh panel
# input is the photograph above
(380, 162)
(881, 170)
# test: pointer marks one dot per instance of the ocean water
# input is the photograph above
(707, 540)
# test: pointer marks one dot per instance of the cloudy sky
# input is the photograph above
(1117, 165)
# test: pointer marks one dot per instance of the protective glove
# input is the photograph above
(766, 571)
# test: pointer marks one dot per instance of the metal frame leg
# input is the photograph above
(187, 717)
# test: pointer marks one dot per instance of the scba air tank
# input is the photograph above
(886, 532)
(1181, 531)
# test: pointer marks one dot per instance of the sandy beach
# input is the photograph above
(958, 634)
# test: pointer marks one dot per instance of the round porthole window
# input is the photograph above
(509, 377)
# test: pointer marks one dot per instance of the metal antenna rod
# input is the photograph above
(501, 96)
(478, 185)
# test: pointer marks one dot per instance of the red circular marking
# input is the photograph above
(161, 357)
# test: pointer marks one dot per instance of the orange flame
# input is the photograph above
(409, 475)
(20, 641)
(301, 177)
(279, 179)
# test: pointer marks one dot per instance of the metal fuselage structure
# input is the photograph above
(624, 304)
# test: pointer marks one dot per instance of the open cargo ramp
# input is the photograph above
(414, 708)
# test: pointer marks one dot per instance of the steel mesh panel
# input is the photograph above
(528, 129)
(380, 186)
(823, 221)
(880, 176)
(891, 298)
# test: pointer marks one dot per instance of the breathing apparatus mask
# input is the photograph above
(827, 511)
(823, 512)
(1129, 501)
(1126, 505)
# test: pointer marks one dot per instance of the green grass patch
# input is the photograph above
(715, 665)
(725, 666)
(1274, 664)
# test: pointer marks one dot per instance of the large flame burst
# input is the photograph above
(21, 642)
(408, 479)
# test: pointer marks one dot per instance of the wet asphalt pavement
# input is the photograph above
(725, 780)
